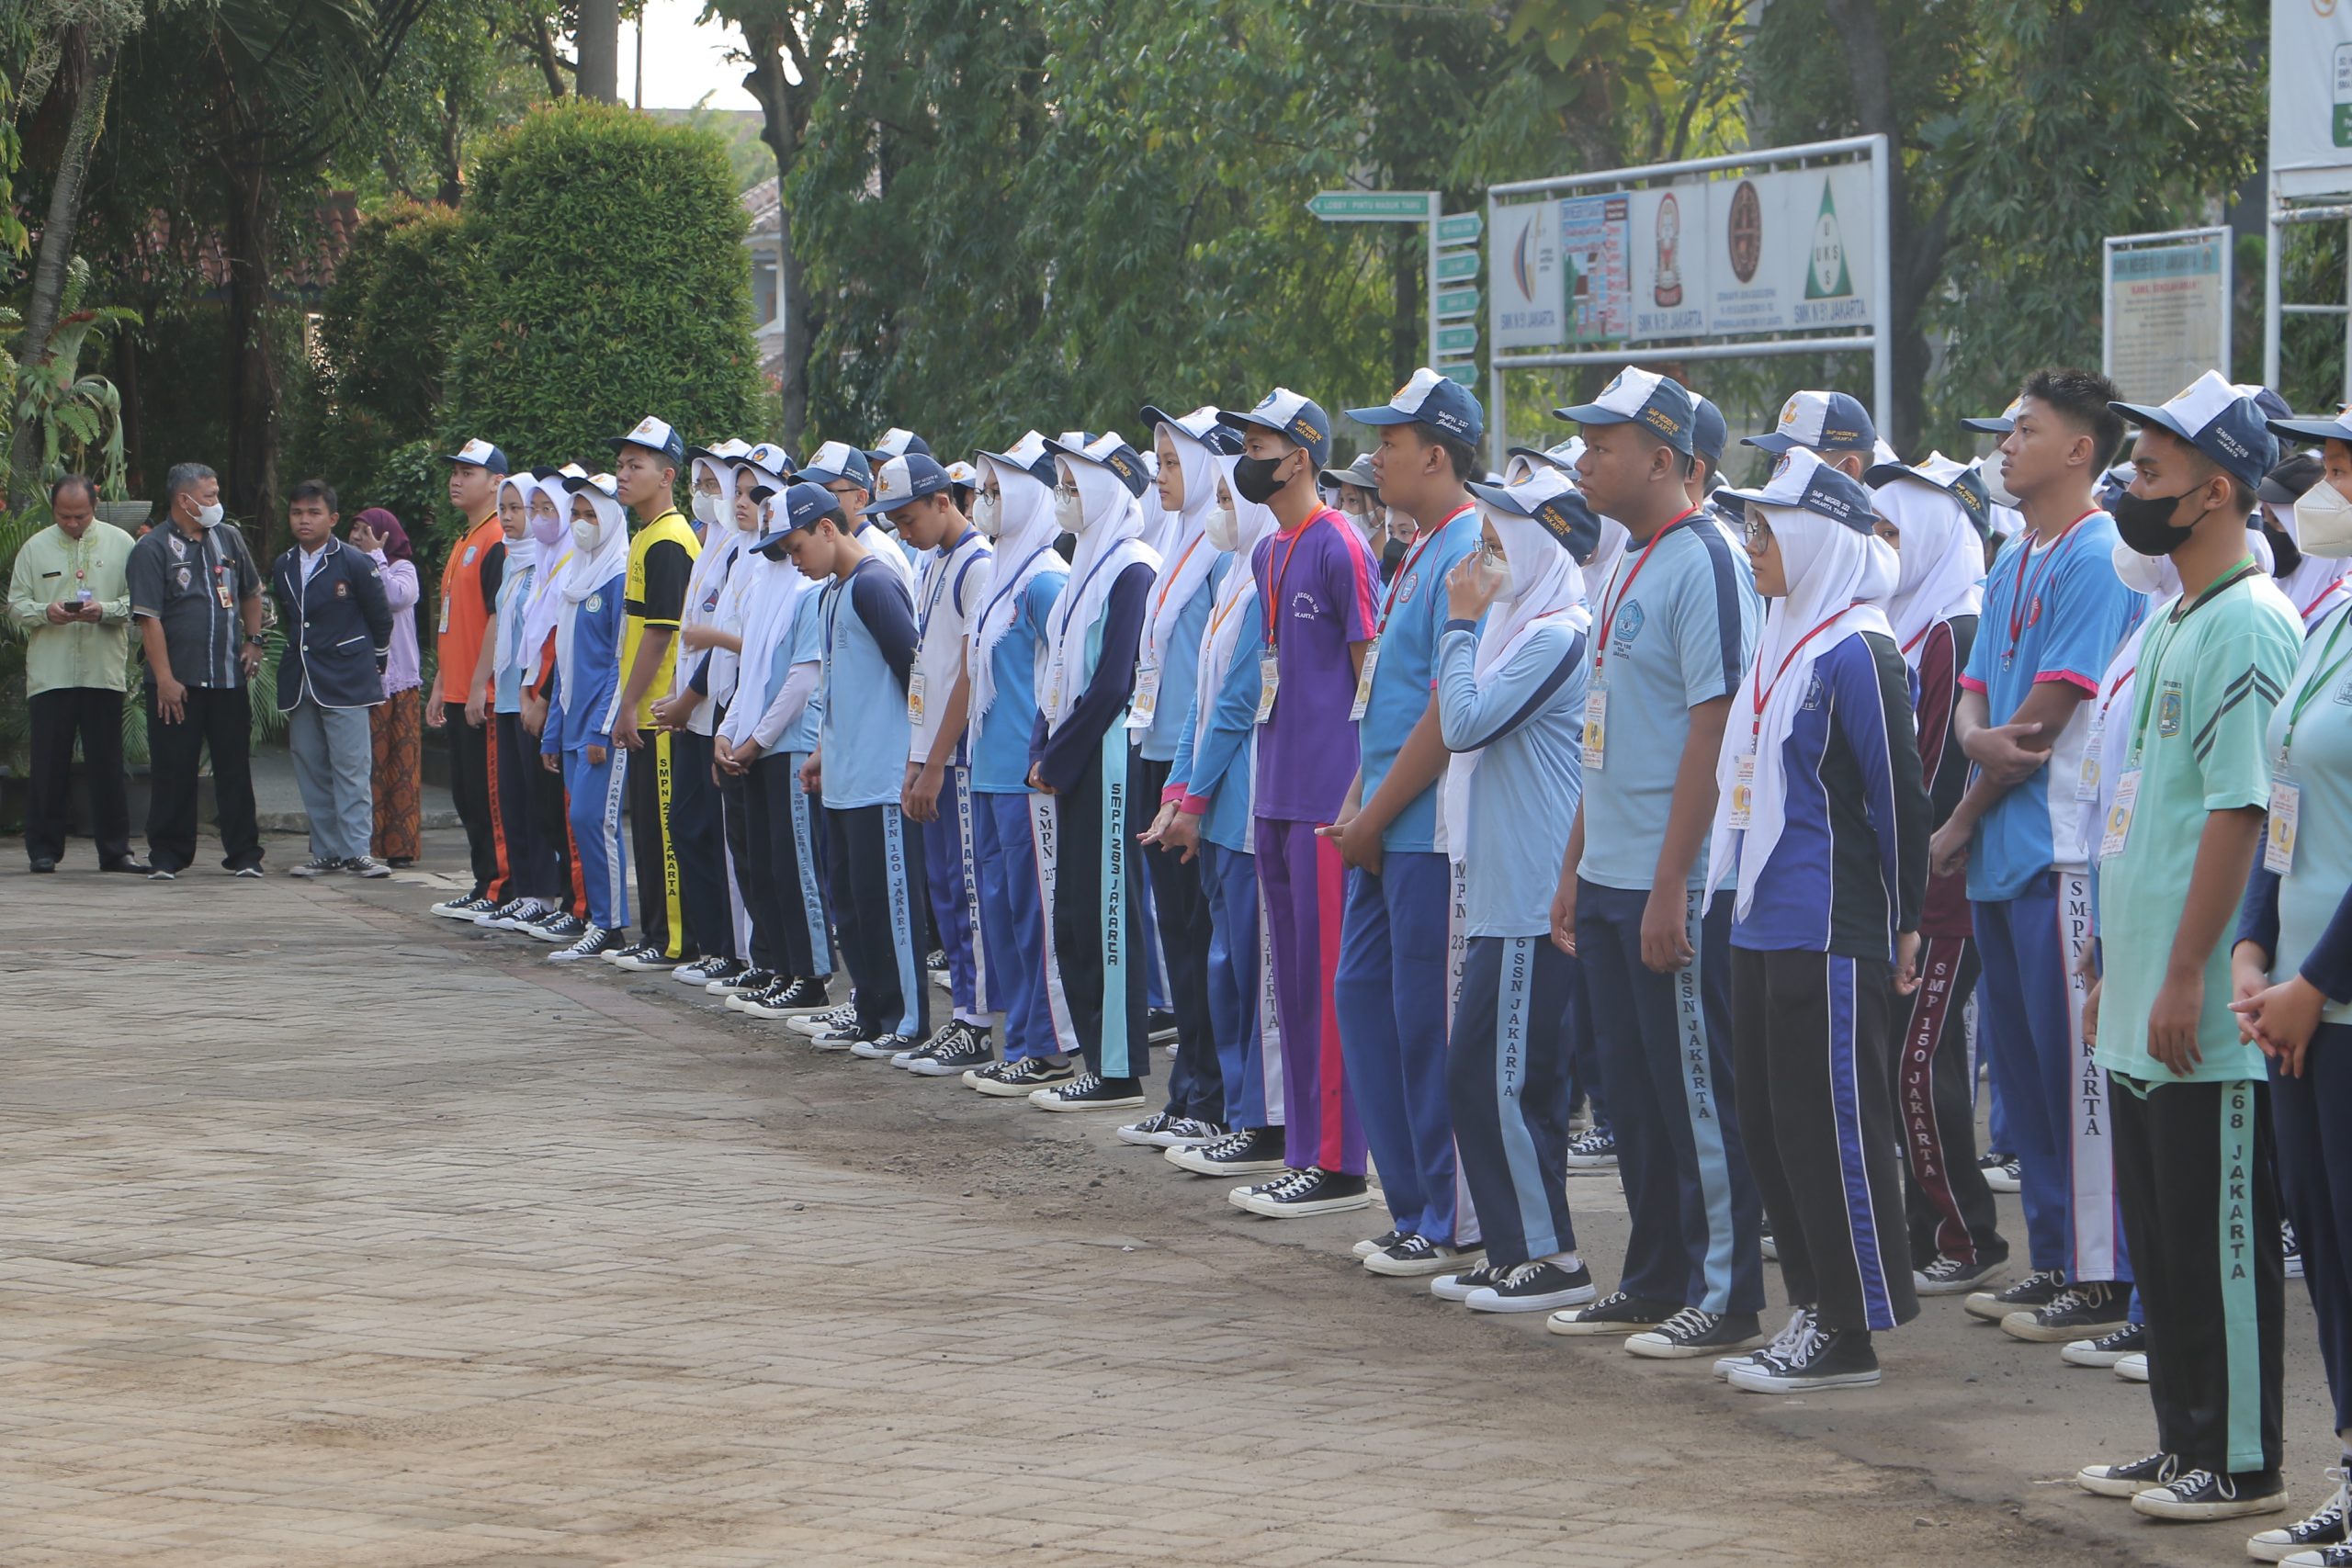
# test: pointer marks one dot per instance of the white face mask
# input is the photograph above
(706, 509)
(586, 536)
(987, 514)
(2141, 574)
(2323, 521)
(1069, 509)
(1989, 470)
(1224, 530)
(210, 516)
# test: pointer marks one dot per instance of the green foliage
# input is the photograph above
(609, 283)
(383, 341)
(748, 159)
(76, 416)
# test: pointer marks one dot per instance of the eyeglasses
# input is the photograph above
(1755, 532)
(1067, 494)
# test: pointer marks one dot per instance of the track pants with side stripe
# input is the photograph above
(2197, 1170)
(1507, 1081)
(699, 840)
(532, 859)
(1664, 1046)
(1013, 925)
(652, 781)
(735, 818)
(1098, 896)
(1304, 887)
(552, 818)
(1810, 1056)
(2315, 1186)
(1181, 932)
(1950, 1207)
(593, 807)
(788, 910)
(1391, 996)
(877, 868)
(954, 892)
(1241, 1003)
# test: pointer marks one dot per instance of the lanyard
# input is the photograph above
(1274, 599)
(938, 586)
(1012, 583)
(1608, 617)
(1169, 582)
(1420, 543)
(1069, 600)
(2107, 701)
(2305, 612)
(1763, 693)
(2026, 592)
(2324, 672)
(2153, 656)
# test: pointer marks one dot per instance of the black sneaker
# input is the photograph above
(2290, 1254)
(1090, 1092)
(1784, 1344)
(1413, 1257)
(707, 972)
(2079, 1312)
(1145, 1134)
(317, 865)
(2106, 1348)
(171, 874)
(2031, 1293)
(1769, 1246)
(1381, 1243)
(501, 917)
(825, 1021)
(595, 943)
(1245, 1151)
(909, 1057)
(802, 1001)
(1954, 1276)
(464, 908)
(644, 956)
(1615, 1313)
(1160, 1026)
(2325, 1528)
(1824, 1357)
(745, 982)
(559, 927)
(247, 873)
(1534, 1287)
(935, 960)
(955, 1051)
(1189, 1133)
(2003, 1173)
(2128, 1480)
(846, 1038)
(2310, 1557)
(1596, 1150)
(1457, 1287)
(1694, 1331)
(1309, 1192)
(1019, 1080)
(367, 866)
(2200, 1495)
(883, 1047)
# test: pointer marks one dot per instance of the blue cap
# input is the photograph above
(1820, 422)
(1548, 497)
(1709, 430)
(655, 435)
(2218, 419)
(1201, 424)
(1026, 456)
(1959, 481)
(1288, 415)
(839, 461)
(1429, 399)
(478, 454)
(1662, 406)
(2000, 424)
(903, 479)
(1110, 451)
(1803, 482)
(897, 443)
(804, 506)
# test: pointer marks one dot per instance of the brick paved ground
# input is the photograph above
(337, 1235)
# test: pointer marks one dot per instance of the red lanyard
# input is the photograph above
(1608, 617)
(2027, 593)
(1764, 692)
(2305, 612)
(2114, 686)
(1420, 543)
(1919, 637)
(1274, 600)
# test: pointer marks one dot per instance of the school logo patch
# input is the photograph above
(2168, 712)
(1813, 692)
(2033, 611)
(2343, 692)
(595, 603)
(470, 550)
(1410, 586)
(179, 548)
(1303, 607)
(342, 588)
(184, 576)
(1625, 627)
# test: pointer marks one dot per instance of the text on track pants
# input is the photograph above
(1506, 1071)
(1098, 900)
(877, 860)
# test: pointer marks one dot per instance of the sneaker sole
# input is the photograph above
(1388, 1267)
(1146, 1140)
(465, 915)
(2263, 1550)
(934, 1069)
(1047, 1099)
(2003, 1184)
(570, 958)
(535, 934)
(2024, 1325)
(1457, 1295)
(867, 1051)
(2074, 1358)
(1661, 1349)
(1560, 1322)
(2158, 1505)
(1983, 1306)
(1225, 1167)
(642, 966)
(1485, 1298)
(1758, 1382)
(833, 1048)
(1588, 1167)
(2100, 1486)
(1271, 1209)
(1923, 1286)
(804, 1022)
(995, 1090)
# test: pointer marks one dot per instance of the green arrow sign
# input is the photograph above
(1370, 206)
(1461, 229)
(1457, 340)
(1465, 375)
(1457, 302)
(1457, 266)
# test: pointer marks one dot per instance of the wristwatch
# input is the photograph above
(254, 639)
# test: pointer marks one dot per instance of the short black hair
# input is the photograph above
(315, 490)
(73, 481)
(2082, 398)
(1686, 463)
(833, 514)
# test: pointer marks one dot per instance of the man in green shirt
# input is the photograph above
(2194, 1166)
(68, 596)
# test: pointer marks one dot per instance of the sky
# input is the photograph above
(682, 61)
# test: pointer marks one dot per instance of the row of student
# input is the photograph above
(1354, 918)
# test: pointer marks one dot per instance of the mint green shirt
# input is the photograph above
(51, 568)
(2207, 683)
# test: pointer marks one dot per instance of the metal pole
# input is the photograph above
(2106, 307)
(2270, 300)
(2347, 322)
(1497, 438)
(1874, 143)
(2229, 308)
(1882, 286)
(1437, 207)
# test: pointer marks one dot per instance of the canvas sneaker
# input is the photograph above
(458, 908)
(2126, 1480)
(956, 1049)
(1458, 1287)
(367, 866)
(559, 927)
(2034, 1292)
(882, 1047)
(2199, 1494)
(317, 865)
(502, 918)
(1090, 1092)
(2003, 1173)
(1615, 1313)
(1536, 1286)
(1694, 1331)
(2325, 1528)
(1245, 1151)
(1595, 1150)
(642, 958)
(1824, 1357)
(595, 943)
(2290, 1254)
(1019, 1080)
(2133, 1368)
(801, 1002)
(1800, 1323)
(2078, 1312)
(1954, 1276)
(1416, 1256)
(703, 971)
(1380, 1243)
(2106, 1348)
(745, 982)
(829, 1021)
(848, 1037)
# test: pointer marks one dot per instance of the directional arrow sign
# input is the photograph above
(1457, 302)
(1370, 206)
(1461, 229)
(1457, 266)
(1465, 375)
(1457, 340)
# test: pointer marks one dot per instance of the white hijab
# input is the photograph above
(540, 608)
(585, 574)
(1188, 554)
(1221, 639)
(1024, 548)
(1110, 539)
(1941, 562)
(2315, 577)
(1837, 574)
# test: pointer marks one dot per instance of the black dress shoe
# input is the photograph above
(133, 867)
(43, 865)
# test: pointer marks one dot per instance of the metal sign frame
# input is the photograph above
(1425, 208)
(1876, 341)
(2218, 232)
(2285, 212)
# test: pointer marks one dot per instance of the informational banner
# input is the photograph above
(1593, 241)
(1666, 238)
(1528, 294)
(2168, 318)
(1752, 254)
(2311, 96)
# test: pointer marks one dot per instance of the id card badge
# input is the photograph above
(1596, 726)
(1270, 680)
(221, 589)
(914, 698)
(444, 614)
(1743, 791)
(1363, 682)
(1146, 697)
(2118, 815)
(2086, 781)
(2286, 811)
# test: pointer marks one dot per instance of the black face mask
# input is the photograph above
(1391, 558)
(2285, 554)
(1254, 478)
(2145, 525)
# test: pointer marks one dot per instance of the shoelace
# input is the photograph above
(1284, 1185)
(1520, 1273)
(2042, 1279)
(1808, 1341)
(1792, 1334)
(1084, 1084)
(2190, 1483)
(1592, 1143)
(1688, 1323)
(2328, 1517)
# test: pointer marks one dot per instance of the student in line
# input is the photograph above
(847, 472)
(1821, 806)
(582, 687)
(565, 922)
(532, 860)
(2195, 1161)
(2316, 584)
(469, 581)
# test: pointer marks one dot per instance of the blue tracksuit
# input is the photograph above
(1024, 984)
(593, 791)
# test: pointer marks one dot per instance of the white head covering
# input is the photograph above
(539, 607)
(1110, 539)
(1221, 639)
(584, 573)
(1940, 565)
(1839, 576)
(1189, 556)
(722, 543)
(1024, 539)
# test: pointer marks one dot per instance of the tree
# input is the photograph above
(599, 43)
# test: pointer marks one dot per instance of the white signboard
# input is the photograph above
(1666, 233)
(1525, 276)
(2311, 96)
(2167, 317)
(1753, 254)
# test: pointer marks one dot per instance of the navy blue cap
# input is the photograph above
(1548, 497)
(655, 435)
(903, 479)
(2219, 420)
(1201, 424)
(1959, 481)
(805, 506)
(478, 454)
(1358, 473)
(1820, 422)
(839, 461)
(1110, 451)
(1288, 415)
(1429, 399)
(2338, 428)
(1709, 430)
(1028, 456)
(1803, 482)
(897, 443)
(1635, 396)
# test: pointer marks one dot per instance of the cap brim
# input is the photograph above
(617, 442)
(2275, 493)
(1255, 422)
(1591, 413)
(878, 508)
(1887, 473)
(575, 483)
(1996, 425)
(1349, 476)
(1384, 414)
(1153, 417)
(2150, 416)
(1497, 497)
(2310, 428)
(472, 463)
(1771, 441)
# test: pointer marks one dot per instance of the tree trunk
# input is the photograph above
(250, 491)
(543, 52)
(88, 77)
(598, 44)
(784, 114)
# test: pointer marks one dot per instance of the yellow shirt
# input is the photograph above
(661, 560)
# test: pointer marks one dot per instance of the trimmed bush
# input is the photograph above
(383, 341)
